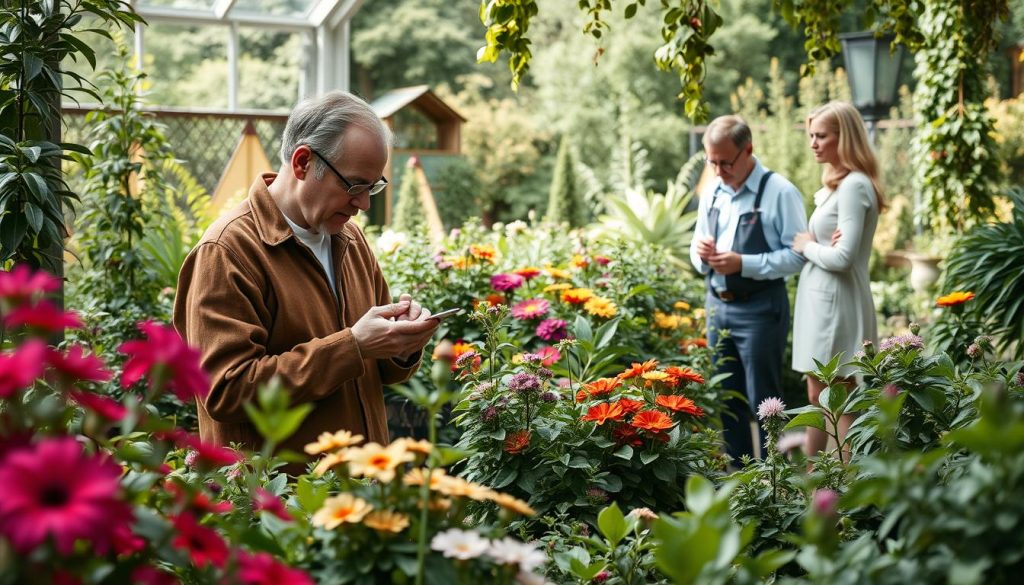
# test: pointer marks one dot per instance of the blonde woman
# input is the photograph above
(834, 309)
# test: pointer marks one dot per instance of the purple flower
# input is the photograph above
(545, 373)
(190, 458)
(490, 413)
(1019, 380)
(465, 359)
(506, 282)
(532, 358)
(549, 397)
(905, 341)
(824, 502)
(552, 330)
(974, 351)
(524, 382)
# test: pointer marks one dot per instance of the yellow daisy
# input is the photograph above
(601, 307)
(340, 509)
(557, 273)
(681, 306)
(387, 521)
(330, 442)
(557, 287)
(577, 296)
(328, 462)
(374, 460)
(422, 446)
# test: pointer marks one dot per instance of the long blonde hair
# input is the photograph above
(854, 149)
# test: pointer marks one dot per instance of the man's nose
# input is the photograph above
(362, 201)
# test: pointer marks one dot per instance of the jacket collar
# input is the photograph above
(270, 221)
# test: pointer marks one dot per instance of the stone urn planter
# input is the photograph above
(924, 270)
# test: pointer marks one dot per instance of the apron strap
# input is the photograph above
(760, 190)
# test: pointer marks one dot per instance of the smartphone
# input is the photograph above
(445, 314)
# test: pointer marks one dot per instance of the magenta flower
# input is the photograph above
(104, 406)
(20, 369)
(531, 309)
(905, 341)
(148, 575)
(207, 454)
(552, 330)
(77, 365)
(203, 544)
(164, 357)
(268, 502)
(824, 502)
(506, 282)
(21, 283)
(263, 569)
(549, 355)
(44, 316)
(54, 489)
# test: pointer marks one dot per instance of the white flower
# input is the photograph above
(791, 441)
(459, 544)
(509, 551)
(390, 241)
(770, 407)
(527, 578)
(516, 227)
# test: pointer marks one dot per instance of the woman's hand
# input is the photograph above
(800, 241)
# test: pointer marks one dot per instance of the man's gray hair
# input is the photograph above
(320, 122)
(732, 128)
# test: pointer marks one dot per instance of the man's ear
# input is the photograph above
(302, 162)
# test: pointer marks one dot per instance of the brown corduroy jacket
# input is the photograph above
(256, 303)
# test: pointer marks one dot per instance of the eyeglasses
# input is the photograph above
(354, 190)
(725, 166)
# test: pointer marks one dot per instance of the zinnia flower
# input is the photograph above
(684, 375)
(340, 509)
(483, 252)
(687, 344)
(528, 273)
(666, 321)
(387, 521)
(505, 282)
(552, 330)
(531, 309)
(512, 504)
(207, 454)
(43, 316)
(677, 403)
(549, 355)
(652, 420)
(54, 489)
(374, 460)
(557, 273)
(824, 502)
(263, 569)
(681, 306)
(459, 544)
(577, 296)
(954, 298)
(770, 407)
(76, 365)
(651, 377)
(171, 358)
(600, 307)
(204, 545)
(629, 406)
(19, 370)
(598, 387)
(559, 286)
(638, 369)
(517, 442)
(604, 412)
(21, 283)
(627, 435)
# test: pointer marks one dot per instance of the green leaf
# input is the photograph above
(34, 216)
(583, 331)
(309, 495)
(624, 452)
(646, 457)
(612, 524)
(807, 419)
(505, 477)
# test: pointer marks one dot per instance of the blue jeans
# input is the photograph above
(752, 354)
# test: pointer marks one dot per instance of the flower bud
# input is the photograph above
(869, 348)
(824, 502)
(915, 328)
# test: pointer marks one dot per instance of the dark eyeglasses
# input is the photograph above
(353, 190)
(726, 166)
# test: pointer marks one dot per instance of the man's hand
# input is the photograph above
(706, 249)
(836, 235)
(726, 263)
(390, 331)
(801, 240)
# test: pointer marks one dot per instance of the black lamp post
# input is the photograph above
(873, 72)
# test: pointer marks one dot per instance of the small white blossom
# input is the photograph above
(791, 441)
(390, 241)
(509, 551)
(459, 544)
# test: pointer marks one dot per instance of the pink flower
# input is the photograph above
(552, 330)
(104, 406)
(549, 355)
(53, 489)
(77, 365)
(21, 283)
(20, 369)
(824, 502)
(207, 454)
(267, 502)
(148, 575)
(203, 544)
(531, 309)
(770, 407)
(506, 282)
(263, 569)
(173, 360)
(43, 316)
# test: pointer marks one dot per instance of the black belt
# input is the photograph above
(728, 296)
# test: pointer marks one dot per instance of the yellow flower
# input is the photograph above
(557, 272)
(328, 462)
(954, 298)
(415, 477)
(374, 460)
(483, 252)
(579, 261)
(655, 376)
(387, 521)
(459, 262)
(601, 307)
(423, 446)
(514, 504)
(557, 287)
(329, 442)
(340, 509)
(665, 321)
(577, 296)
(681, 306)
(458, 487)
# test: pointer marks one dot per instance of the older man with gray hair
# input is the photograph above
(286, 285)
(743, 240)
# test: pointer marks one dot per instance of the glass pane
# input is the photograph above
(269, 67)
(295, 8)
(192, 74)
(860, 59)
(190, 4)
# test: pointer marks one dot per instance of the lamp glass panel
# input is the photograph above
(860, 61)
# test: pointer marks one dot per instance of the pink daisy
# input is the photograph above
(531, 309)
(506, 282)
(176, 362)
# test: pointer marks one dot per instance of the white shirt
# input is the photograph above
(320, 245)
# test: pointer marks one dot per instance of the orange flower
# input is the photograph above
(687, 344)
(598, 388)
(954, 298)
(627, 435)
(484, 252)
(495, 299)
(528, 272)
(517, 442)
(629, 406)
(679, 404)
(604, 412)
(652, 420)
(577, 296)
(600, 307)
(579, 261)
(557, 273)
(684, 375)
(638, 369)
